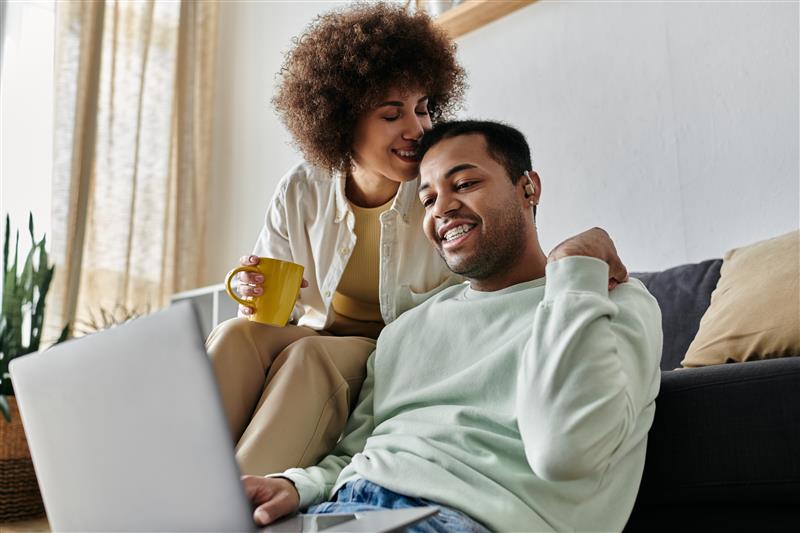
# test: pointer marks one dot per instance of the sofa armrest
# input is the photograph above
(727, 433)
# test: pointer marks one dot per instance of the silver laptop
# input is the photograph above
(127, 433)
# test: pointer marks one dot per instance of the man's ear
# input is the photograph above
(530, 186)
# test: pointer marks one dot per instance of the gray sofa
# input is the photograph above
(724, 450)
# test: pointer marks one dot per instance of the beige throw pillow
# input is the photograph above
(755, 309)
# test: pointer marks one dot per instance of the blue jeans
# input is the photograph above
(362, 495)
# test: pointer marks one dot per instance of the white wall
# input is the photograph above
(251, 148)
(674, 126)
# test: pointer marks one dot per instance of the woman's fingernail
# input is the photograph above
(259, 278)
(262, 517)
(253, 258)
(258, 290)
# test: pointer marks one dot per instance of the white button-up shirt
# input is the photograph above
(309, 221)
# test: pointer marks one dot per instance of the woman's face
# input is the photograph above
(385, 140)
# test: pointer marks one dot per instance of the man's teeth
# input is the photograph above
(457, 232)
(407, 154)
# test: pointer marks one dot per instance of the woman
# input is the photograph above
(357, 92)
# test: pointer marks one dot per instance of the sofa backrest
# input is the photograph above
(683, 293)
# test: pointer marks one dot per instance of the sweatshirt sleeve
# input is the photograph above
(315, 483)
(589, 370)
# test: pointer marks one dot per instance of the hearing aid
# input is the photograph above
(530, 190)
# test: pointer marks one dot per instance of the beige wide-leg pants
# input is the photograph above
(287, 392)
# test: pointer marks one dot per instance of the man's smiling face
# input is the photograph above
(473, 211)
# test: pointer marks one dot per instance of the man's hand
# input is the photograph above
(593, 243)
(272, 498)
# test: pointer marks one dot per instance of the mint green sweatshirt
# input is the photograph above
(526, 408)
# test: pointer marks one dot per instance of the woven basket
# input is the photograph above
(19, 491)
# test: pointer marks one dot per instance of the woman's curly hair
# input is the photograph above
(347, 61)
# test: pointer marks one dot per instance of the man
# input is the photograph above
(514, 404)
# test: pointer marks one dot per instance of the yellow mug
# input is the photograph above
(281, 286)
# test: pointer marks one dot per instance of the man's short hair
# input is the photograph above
(505, 144)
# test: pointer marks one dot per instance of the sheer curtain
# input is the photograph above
(133, 108)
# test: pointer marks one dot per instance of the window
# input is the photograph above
(27, 29)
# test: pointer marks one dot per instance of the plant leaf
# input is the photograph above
(25, 287)
(16, 253)
(30, 227)
(5, 245)
(26, 278)
(5, 408)
(108, 318)
(64, 334)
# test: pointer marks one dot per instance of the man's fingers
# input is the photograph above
(617, 273)
(276, 507)
(596, 243)
(621, 275)
(616, 268)
(271, 497)
(256, 490)
(259, 490)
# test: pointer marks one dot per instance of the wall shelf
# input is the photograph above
(473, 14)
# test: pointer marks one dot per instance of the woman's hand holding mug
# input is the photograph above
(280, 279)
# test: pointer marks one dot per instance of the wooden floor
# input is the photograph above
(36, 525)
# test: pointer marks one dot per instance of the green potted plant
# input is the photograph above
(23, 298)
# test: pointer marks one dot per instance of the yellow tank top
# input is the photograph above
(357, 296)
